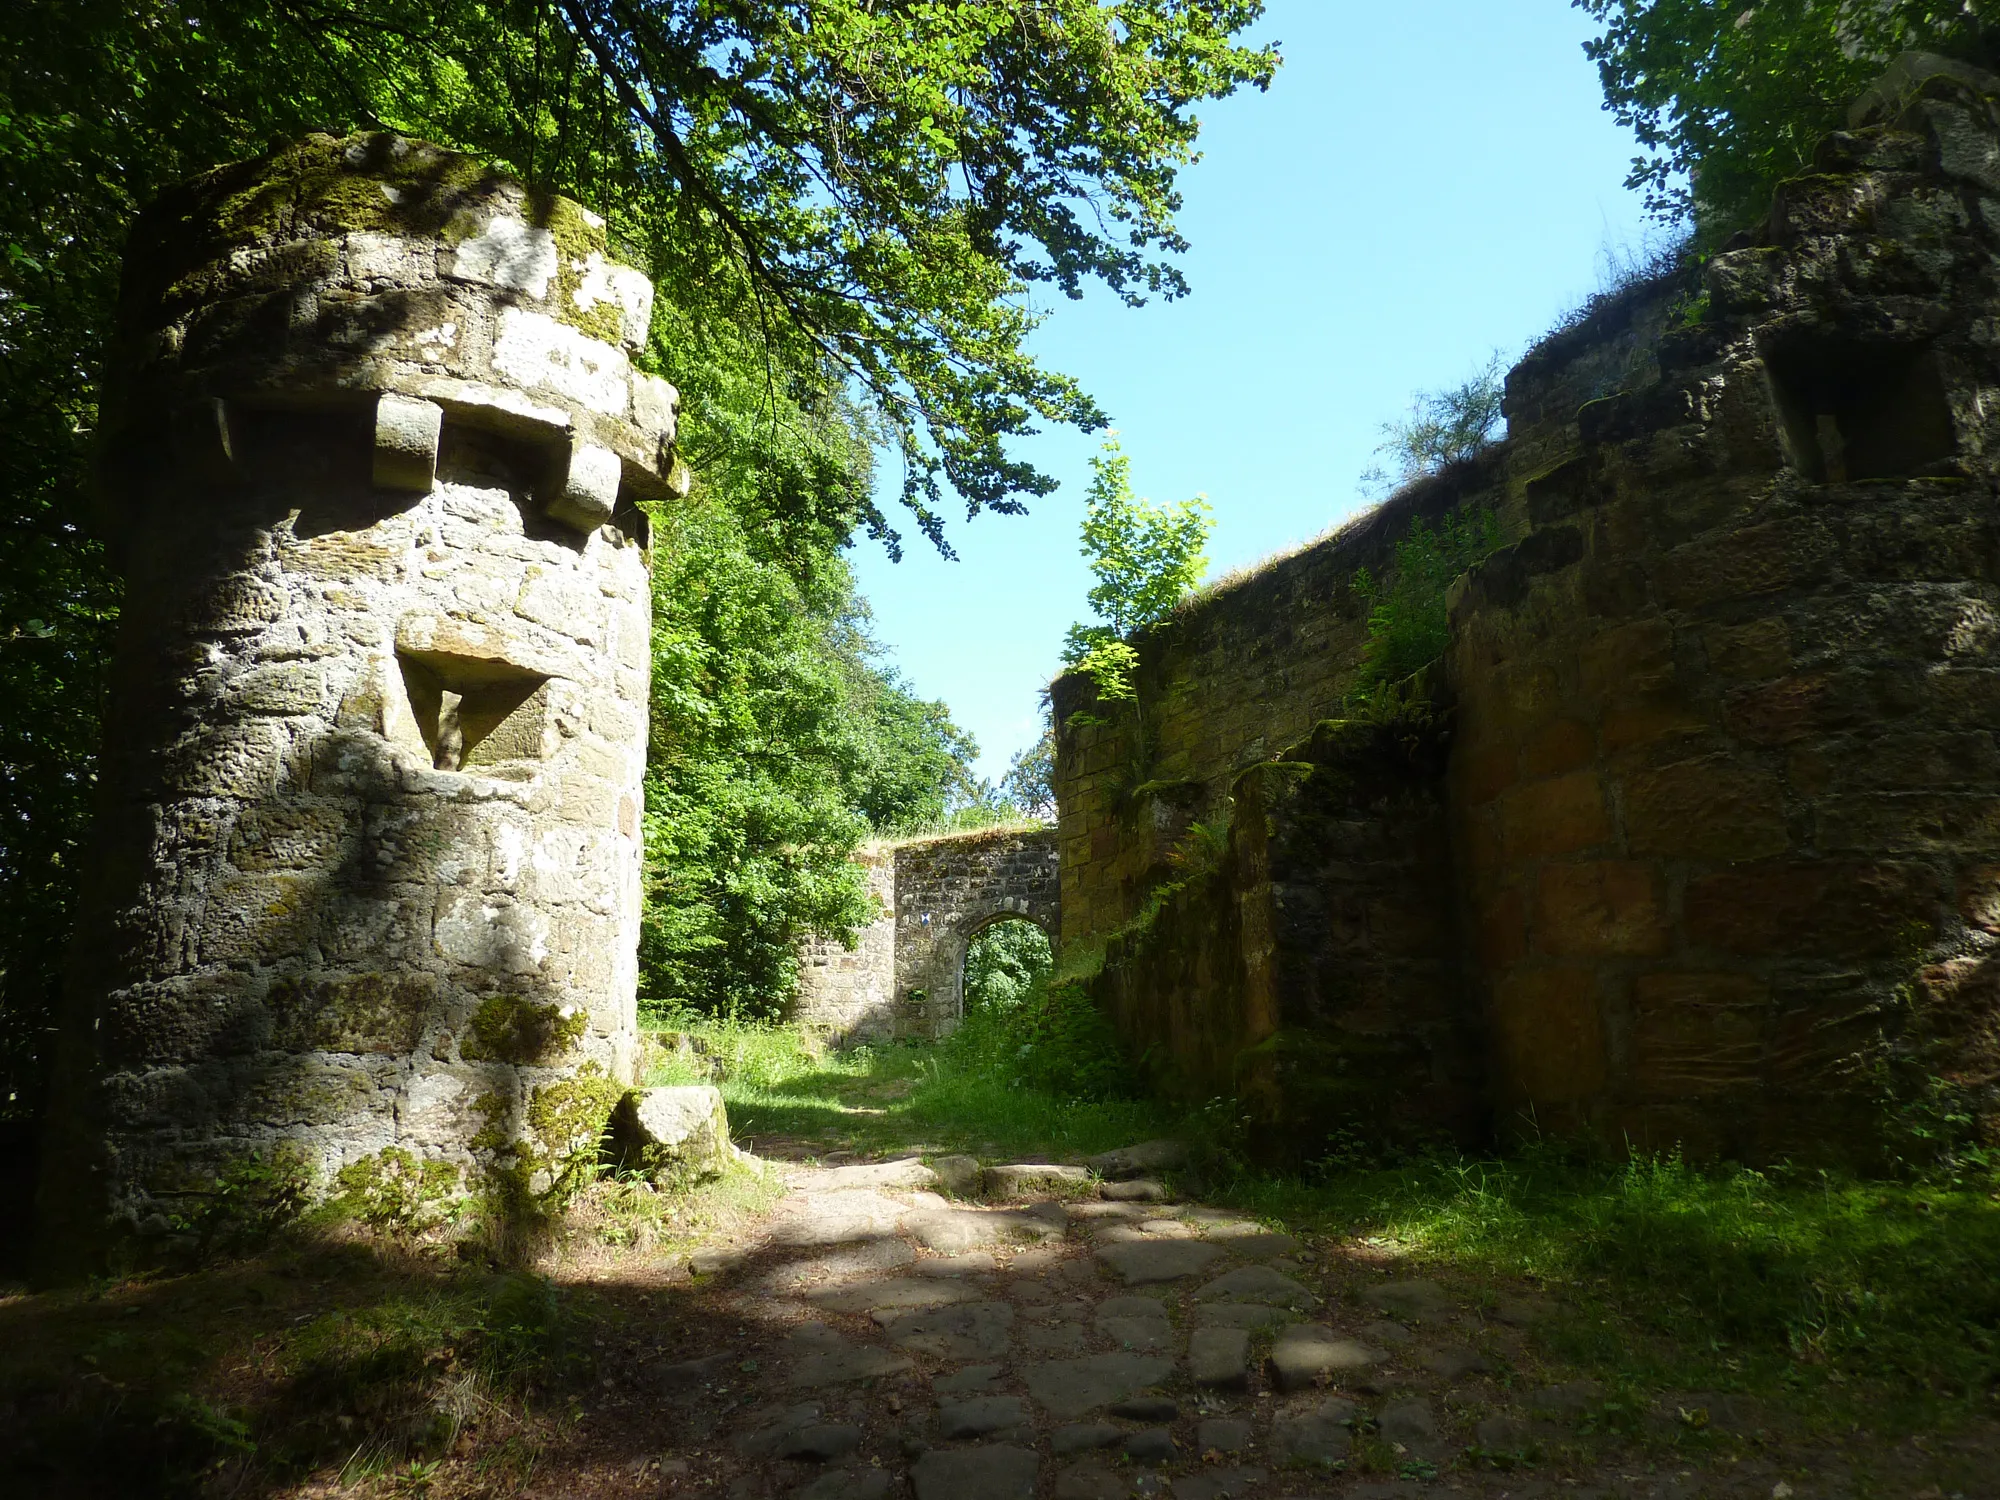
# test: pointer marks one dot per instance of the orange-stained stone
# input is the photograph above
(1562, 746)
(1979, 896)
(1697, 1033)
(1551, 1039)
(1780, 712)
(1633, 658)
(1814, 908)
(1503, 930)
(1713, 809)
(1602, 908)
(1561, 815)
(1629, 723)
(1481, 773)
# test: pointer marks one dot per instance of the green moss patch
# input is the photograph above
(512, 1029)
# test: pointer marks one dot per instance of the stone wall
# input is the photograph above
(1726, 776)
(368, 873)
(906, 977)
(851, 992)
(1722, 795)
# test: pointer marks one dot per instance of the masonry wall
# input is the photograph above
(1720, 787)
(906, 975)
(850, 993)
(367, 882)
(1726, 775)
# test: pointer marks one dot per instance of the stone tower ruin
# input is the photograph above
(367, 886)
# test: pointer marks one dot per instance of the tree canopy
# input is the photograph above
(1729, 100)
(844, 204)
(1146, 558)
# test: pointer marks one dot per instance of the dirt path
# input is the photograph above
(1095, 1342)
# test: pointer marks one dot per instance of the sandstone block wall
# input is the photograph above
(906, 978)
(1721, 787)
(1726, 773)
(368, 874)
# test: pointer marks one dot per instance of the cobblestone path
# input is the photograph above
(1095, 1341)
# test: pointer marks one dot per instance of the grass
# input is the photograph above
(781, 1085)
(1853, 1314)
(1850, 1301)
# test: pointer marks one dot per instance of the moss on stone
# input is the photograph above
(396, 1193)
(513, 1029)
(577, 239)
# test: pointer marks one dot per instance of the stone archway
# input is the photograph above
(906, 976)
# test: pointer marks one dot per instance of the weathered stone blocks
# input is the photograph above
(1721, 794)
(371, 451)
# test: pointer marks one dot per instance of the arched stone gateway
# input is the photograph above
(906, 976)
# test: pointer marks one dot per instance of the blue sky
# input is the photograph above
(1425, 183)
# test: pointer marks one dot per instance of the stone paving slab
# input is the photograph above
(973, 1330)
(1135, 1161)
(910, 1172)
(994, 1472)
(1316, 1433)
(1220, 1358)
(1259, 1284)
(847, 1484)
(893, 1294)
(1250, 1315)
(1145, 1263)
(869, 1258)
(981, 1416)
(953, 1231)
(1073, 1387)
(817, 1356)
(836, 1218)
(1218, 1484)
(1307, 1353)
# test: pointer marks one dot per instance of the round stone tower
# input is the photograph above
(365, 898)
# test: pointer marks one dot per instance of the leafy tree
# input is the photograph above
(1408, 627)
(1443, 428)
(776, 744)
(1729, 100)
(837, 198)
(1146, 558)
(1030, 782)
(1004, 963)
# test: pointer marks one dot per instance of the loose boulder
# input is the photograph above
(671, 1134)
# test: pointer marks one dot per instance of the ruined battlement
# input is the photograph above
(1699, 845)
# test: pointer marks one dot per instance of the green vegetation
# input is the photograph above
(1070, 1093)
(1407, 624)
(1443, 428)
(838, 216)
(1731, 99)
(1003, 964)
(1813, 1288)
(1145, 557)
(777, 744)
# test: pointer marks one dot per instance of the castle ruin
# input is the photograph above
(367, 887)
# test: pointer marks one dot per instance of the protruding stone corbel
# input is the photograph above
(406, 442)
(586, 491)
